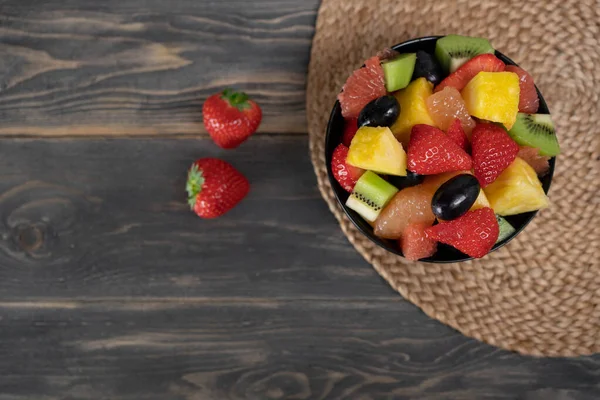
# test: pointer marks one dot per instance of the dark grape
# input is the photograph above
(402, 182)
(455, 197)
(382, 111)
(427, 67)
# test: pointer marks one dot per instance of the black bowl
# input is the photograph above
(445, 254)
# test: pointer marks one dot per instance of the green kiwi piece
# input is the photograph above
(506, 229)
(371, 193)
(536, 130)
(452, 51)
(399, 71)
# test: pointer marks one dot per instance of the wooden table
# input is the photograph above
(110, 287)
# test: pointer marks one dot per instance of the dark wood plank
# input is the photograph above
(261, 350)
(144, 68)
(108, 218)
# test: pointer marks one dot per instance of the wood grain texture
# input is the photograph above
(112, 289)
(144, 68)
(97, 218)
(266, 350)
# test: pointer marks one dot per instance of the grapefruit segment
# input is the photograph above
(408, 206)
(365, 84)
(528, 98)
(447, 105)
(538, 162)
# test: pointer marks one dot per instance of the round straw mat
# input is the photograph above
(540, 294)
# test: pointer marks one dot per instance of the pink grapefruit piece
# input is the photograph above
(532, 156)
(365, 84)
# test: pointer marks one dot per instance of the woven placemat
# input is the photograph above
(540, 294)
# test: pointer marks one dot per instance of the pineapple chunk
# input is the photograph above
(493, 96)
(413, 108)
(376, 149)
(435, 181)
(517, 190)
(481, 201)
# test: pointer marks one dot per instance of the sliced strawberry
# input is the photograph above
(415, 244)
(474, 233)
(458, 135)
(528, 97)
(532, 156)
(344, 173)
(431, 151)
(492, 150)
(459, 78)
(350, 128)
(354, 172)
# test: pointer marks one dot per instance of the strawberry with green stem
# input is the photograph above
(230, 118)
(214, 187)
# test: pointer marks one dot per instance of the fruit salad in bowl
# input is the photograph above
(441, 149)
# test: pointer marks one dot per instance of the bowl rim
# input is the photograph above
(336, 188)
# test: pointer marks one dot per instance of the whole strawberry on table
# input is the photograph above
(230, 117)
(441, 147)
(214, 186)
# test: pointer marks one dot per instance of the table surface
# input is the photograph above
(110, 287)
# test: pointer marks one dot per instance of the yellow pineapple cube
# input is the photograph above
(413, 108)
(517, 190)
(493, 96)
(481, 201)
(377, 150)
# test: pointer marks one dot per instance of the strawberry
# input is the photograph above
(344, 173)
(474, 233)
(529, 101)
(458, 135)
(350, 128)
(431, 151)
(459, 78)
(230, 118)
(214, 187)
(492, 150)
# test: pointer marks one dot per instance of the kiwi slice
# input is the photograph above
(452, 51)
(536, 130)
(506, 229)
(371, 193)
(399, 71)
